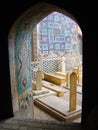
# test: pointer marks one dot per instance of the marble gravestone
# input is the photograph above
(73, 92)
(38, 80)
(37, 85)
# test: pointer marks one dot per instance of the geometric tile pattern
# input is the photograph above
(53, 65)
(57, 35)
(34, 68)
(48, 66)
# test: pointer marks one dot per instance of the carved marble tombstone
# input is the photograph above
(38, 80)
(73, 91)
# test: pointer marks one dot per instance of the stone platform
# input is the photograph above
(56, 79)
(58, 107)
(58, 89)
(40, 92)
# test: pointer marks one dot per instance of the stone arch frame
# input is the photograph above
(38, 11)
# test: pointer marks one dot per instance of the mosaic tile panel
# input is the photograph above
(23, 103)
(23, 71)
(34, 69)
(23, 54)
(57, 34)
(23, 65)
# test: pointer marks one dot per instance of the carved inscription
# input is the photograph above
(73, 91)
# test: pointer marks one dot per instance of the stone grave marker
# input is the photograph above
(73, 91)
(38, 80)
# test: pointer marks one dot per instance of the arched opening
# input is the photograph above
(20, 38)
(54, 58)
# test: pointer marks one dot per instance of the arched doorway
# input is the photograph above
(20, 56)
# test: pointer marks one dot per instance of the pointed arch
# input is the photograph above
(19, 41)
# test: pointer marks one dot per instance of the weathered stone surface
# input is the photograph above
(73, 91)
(38, 80)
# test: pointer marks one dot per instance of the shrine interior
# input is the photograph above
(56, 53)
(48, 66)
